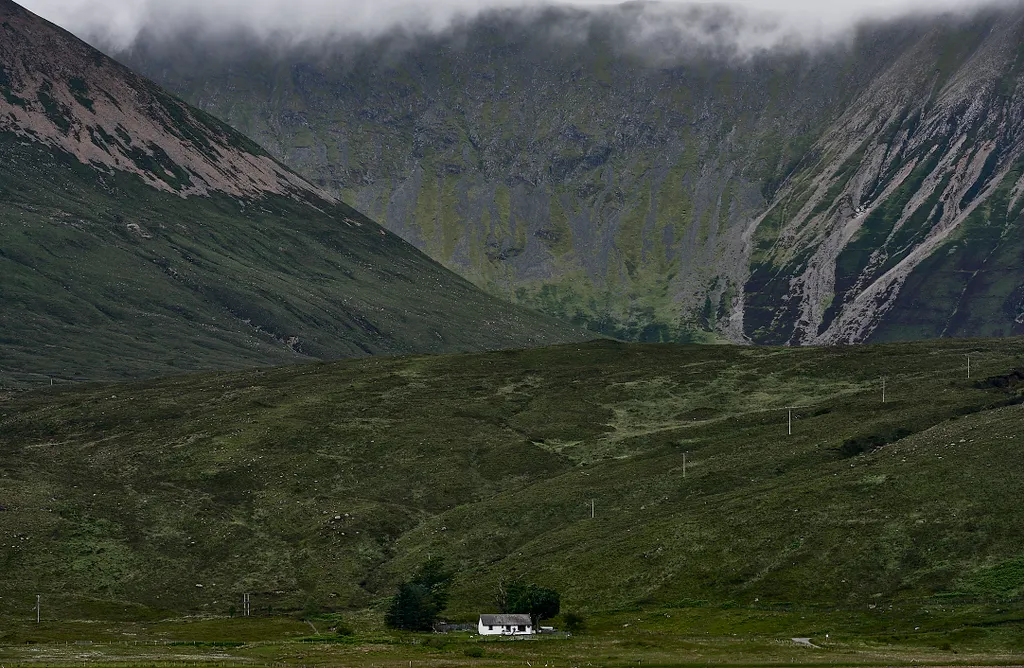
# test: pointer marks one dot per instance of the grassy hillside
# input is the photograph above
(322, 485)
(140, 236)
(106, 277)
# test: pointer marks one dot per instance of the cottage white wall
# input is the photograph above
(501, 631)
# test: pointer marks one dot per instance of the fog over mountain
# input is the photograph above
(767, 23)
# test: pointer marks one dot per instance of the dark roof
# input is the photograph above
(506, 620)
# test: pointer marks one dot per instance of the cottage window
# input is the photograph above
(490, 628)
(521, 628)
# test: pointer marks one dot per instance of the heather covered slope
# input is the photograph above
(864, 190)
(140, 236)
(325, 484)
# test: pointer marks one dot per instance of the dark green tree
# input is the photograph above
(418, 602)
(528, 599)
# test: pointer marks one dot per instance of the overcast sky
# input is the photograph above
(117, 22)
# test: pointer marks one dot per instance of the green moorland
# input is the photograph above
(141, 512)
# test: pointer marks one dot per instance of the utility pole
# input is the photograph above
(883, 389)
(39, 600)
(245, 605)
(790, 410)
(968, 367)
(684, 464)
(592, 509)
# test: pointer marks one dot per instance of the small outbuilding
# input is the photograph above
(505, 625)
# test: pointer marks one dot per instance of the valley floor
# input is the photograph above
(655, 637)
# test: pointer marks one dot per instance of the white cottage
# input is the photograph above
(505, 625)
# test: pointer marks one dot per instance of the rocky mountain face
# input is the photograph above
(140, 235)
(655, 189)
(904, 219)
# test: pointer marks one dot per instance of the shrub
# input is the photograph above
(310, 610)
(1009, 382)
(474, 652)
(868, 442)
(574, 623)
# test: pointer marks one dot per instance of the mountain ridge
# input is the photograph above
(140, 236)
(624, 193)
(951, 149)
(184, 142)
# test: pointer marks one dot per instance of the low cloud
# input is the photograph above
(766, 23)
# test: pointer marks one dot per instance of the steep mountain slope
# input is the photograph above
(904, 219)
(655, 189)
(305, 485)
(139, 235)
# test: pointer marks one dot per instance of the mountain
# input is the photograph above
(139, 235)
(305, 486)
(628, 176)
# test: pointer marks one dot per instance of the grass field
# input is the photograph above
(894, 528)
(626, 638)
